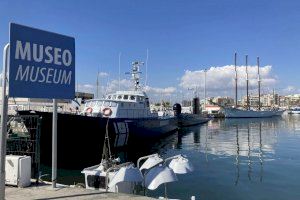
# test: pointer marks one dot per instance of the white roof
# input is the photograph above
(130, 92)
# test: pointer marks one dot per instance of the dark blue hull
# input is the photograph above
(80, 138)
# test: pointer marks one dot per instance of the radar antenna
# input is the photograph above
(135, 71)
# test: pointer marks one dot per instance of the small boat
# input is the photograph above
(295, 110)
(187, 119)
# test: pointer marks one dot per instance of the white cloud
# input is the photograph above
(164, 91)
(103, 74)
(290, 89)
(154, 93)
(86, 88)
(113, 85)
(222, 78)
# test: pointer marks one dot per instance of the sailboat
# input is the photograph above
(235, 112)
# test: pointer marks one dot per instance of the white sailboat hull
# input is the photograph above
(237, 113)
(294, 112)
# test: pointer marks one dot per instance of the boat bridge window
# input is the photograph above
(99, 103)
(88, 104)
(92, 103)
(120, 97)
(147, 102)
(109, 97)
(114, 97)
(113, 104)
(125, 97)
(132, 97)
(110, 103)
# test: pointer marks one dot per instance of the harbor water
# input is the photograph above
(233, 159)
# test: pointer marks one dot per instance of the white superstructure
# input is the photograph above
(123, 104)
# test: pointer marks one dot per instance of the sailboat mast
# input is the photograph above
(247, 83)
(97, 84)
(236, 89)
(119, 70)
(258, 83)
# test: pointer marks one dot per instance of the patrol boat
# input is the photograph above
(133, 108)
(125, 114)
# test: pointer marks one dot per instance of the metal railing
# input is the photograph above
(23, 138)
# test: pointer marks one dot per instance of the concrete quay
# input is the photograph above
(45, 191)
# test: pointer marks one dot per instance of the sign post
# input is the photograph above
(54, 143)
(41, 65)
(3, 122)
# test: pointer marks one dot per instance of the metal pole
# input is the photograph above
(3, 122)
(258, 83)
(147, 67)
(166, 196)
(119, 70)
(97, 85)
(205, 89)
(236, 90)
(273, 98)
(54, 144)
(247, 81)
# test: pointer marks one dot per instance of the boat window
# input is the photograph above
(113, 104)
(132, 97)
(106, 103)
(120, 97)
(109, 97)
(88, 104)
(92, 103)
(114, 97)
(99, 103)
(147, 102)
(125, 97)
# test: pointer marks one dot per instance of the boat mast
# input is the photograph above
(147, 67)
(236, 103)
(97, 84)
(205, 89)
(247, 82)
(119, 70)
(258, 83)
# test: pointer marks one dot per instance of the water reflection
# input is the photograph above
(248, 141)
(231, 154)
(249, 152)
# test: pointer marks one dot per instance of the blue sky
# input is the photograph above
(180, 35)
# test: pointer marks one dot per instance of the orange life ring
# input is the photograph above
(107, 112)
(89, 110)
